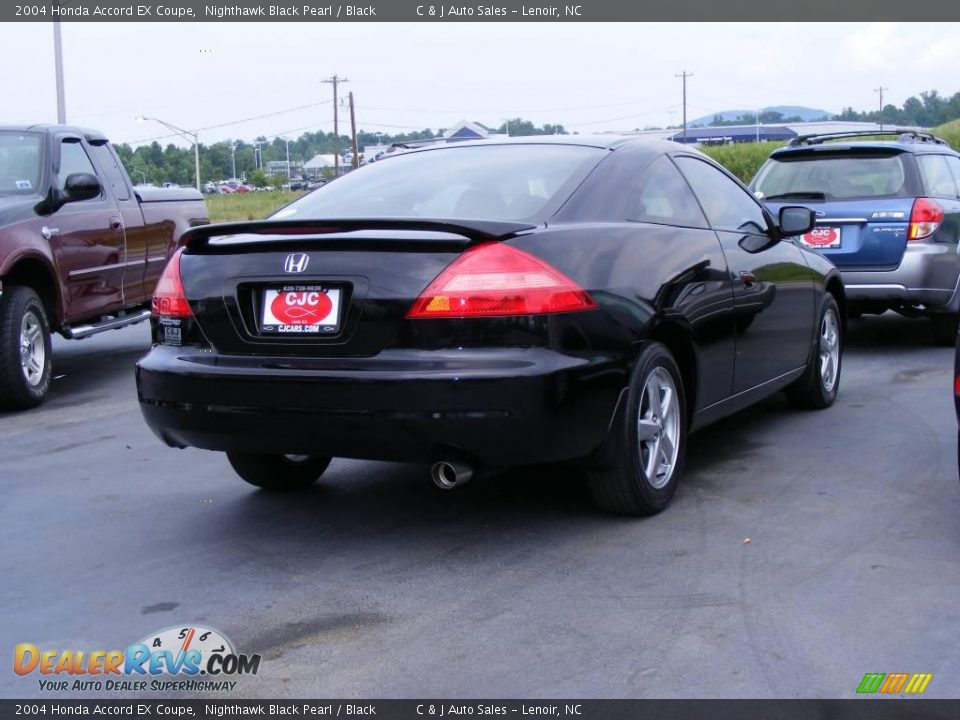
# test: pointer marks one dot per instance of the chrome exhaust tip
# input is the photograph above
(447, 475)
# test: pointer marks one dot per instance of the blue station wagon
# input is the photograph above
(888, 216)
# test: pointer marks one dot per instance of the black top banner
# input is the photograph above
(498, 11)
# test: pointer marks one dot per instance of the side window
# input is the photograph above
(727, 205)
(661, 196)
(937, 179)
(111, 169)
(73, 159)
(954, 164)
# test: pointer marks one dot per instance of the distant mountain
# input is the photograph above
(804, 113)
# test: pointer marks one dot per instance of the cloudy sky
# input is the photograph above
(589, 76)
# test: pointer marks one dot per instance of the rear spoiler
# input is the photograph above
(472, 231)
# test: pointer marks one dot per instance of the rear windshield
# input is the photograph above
(19, 163)
(825, 176)
(492, 182)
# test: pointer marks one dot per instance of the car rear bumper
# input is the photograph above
(927, 275)
(498, 407)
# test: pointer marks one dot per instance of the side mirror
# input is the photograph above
(795, 220)
(81, 186)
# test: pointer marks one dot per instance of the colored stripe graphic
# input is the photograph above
(894, 683)
(871, 682)
(918, 683)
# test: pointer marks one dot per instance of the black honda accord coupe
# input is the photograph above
(488, 304)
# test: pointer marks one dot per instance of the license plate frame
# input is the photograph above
(818, 239)
(315, 310)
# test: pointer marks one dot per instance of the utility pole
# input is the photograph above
(335, 80)
(355, 161)
(58, 61)
(880, 90)
(684, 75)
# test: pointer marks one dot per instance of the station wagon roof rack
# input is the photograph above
(903, 135)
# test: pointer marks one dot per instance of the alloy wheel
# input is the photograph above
(33, 349)
(829, 349)
(658, 427)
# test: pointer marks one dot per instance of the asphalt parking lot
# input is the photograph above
(377, 584)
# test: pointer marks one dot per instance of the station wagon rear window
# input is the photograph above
(19, 163)
(831, 176)
(492, 182)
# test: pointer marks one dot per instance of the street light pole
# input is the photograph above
(193, 136)
(58, 61)
(288, 158)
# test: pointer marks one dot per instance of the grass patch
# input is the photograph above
(238, 207)
(742, 159)
(950, 132)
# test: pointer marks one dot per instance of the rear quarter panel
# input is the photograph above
(165, 222)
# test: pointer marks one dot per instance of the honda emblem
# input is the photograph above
(296, 262)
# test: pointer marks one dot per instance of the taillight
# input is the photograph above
(956, 385)
(494, 280)
(925, 218)
(169, 299)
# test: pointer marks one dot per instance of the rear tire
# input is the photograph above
(279, 473)
(817, 388)
(26, 357)
(641, 462)
(945, 329)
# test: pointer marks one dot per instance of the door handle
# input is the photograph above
(748, 279)
(48, 232)
(116, 224)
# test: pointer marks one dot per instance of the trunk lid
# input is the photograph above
(257, 288)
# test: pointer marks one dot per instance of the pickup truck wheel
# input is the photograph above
(945, 329)
(279, 472)
(25, 350)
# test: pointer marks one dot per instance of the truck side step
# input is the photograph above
(109, 323)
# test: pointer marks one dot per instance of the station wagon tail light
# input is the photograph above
(493, 280)
(925, 218)
(169, 299)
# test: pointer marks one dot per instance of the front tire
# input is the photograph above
(817, 388)
(645, 452)
(26, 355)
(280, 473)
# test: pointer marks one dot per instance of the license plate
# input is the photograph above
(822, 237)
(301, 310)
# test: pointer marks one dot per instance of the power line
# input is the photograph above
(525, 111)
(234, 122)
(624, 117)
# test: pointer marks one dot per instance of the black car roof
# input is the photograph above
(89, 134)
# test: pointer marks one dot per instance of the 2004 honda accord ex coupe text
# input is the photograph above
(487, 304)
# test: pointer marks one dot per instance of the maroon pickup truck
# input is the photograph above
(81, 249)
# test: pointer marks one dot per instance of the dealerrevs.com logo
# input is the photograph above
(189, 659)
